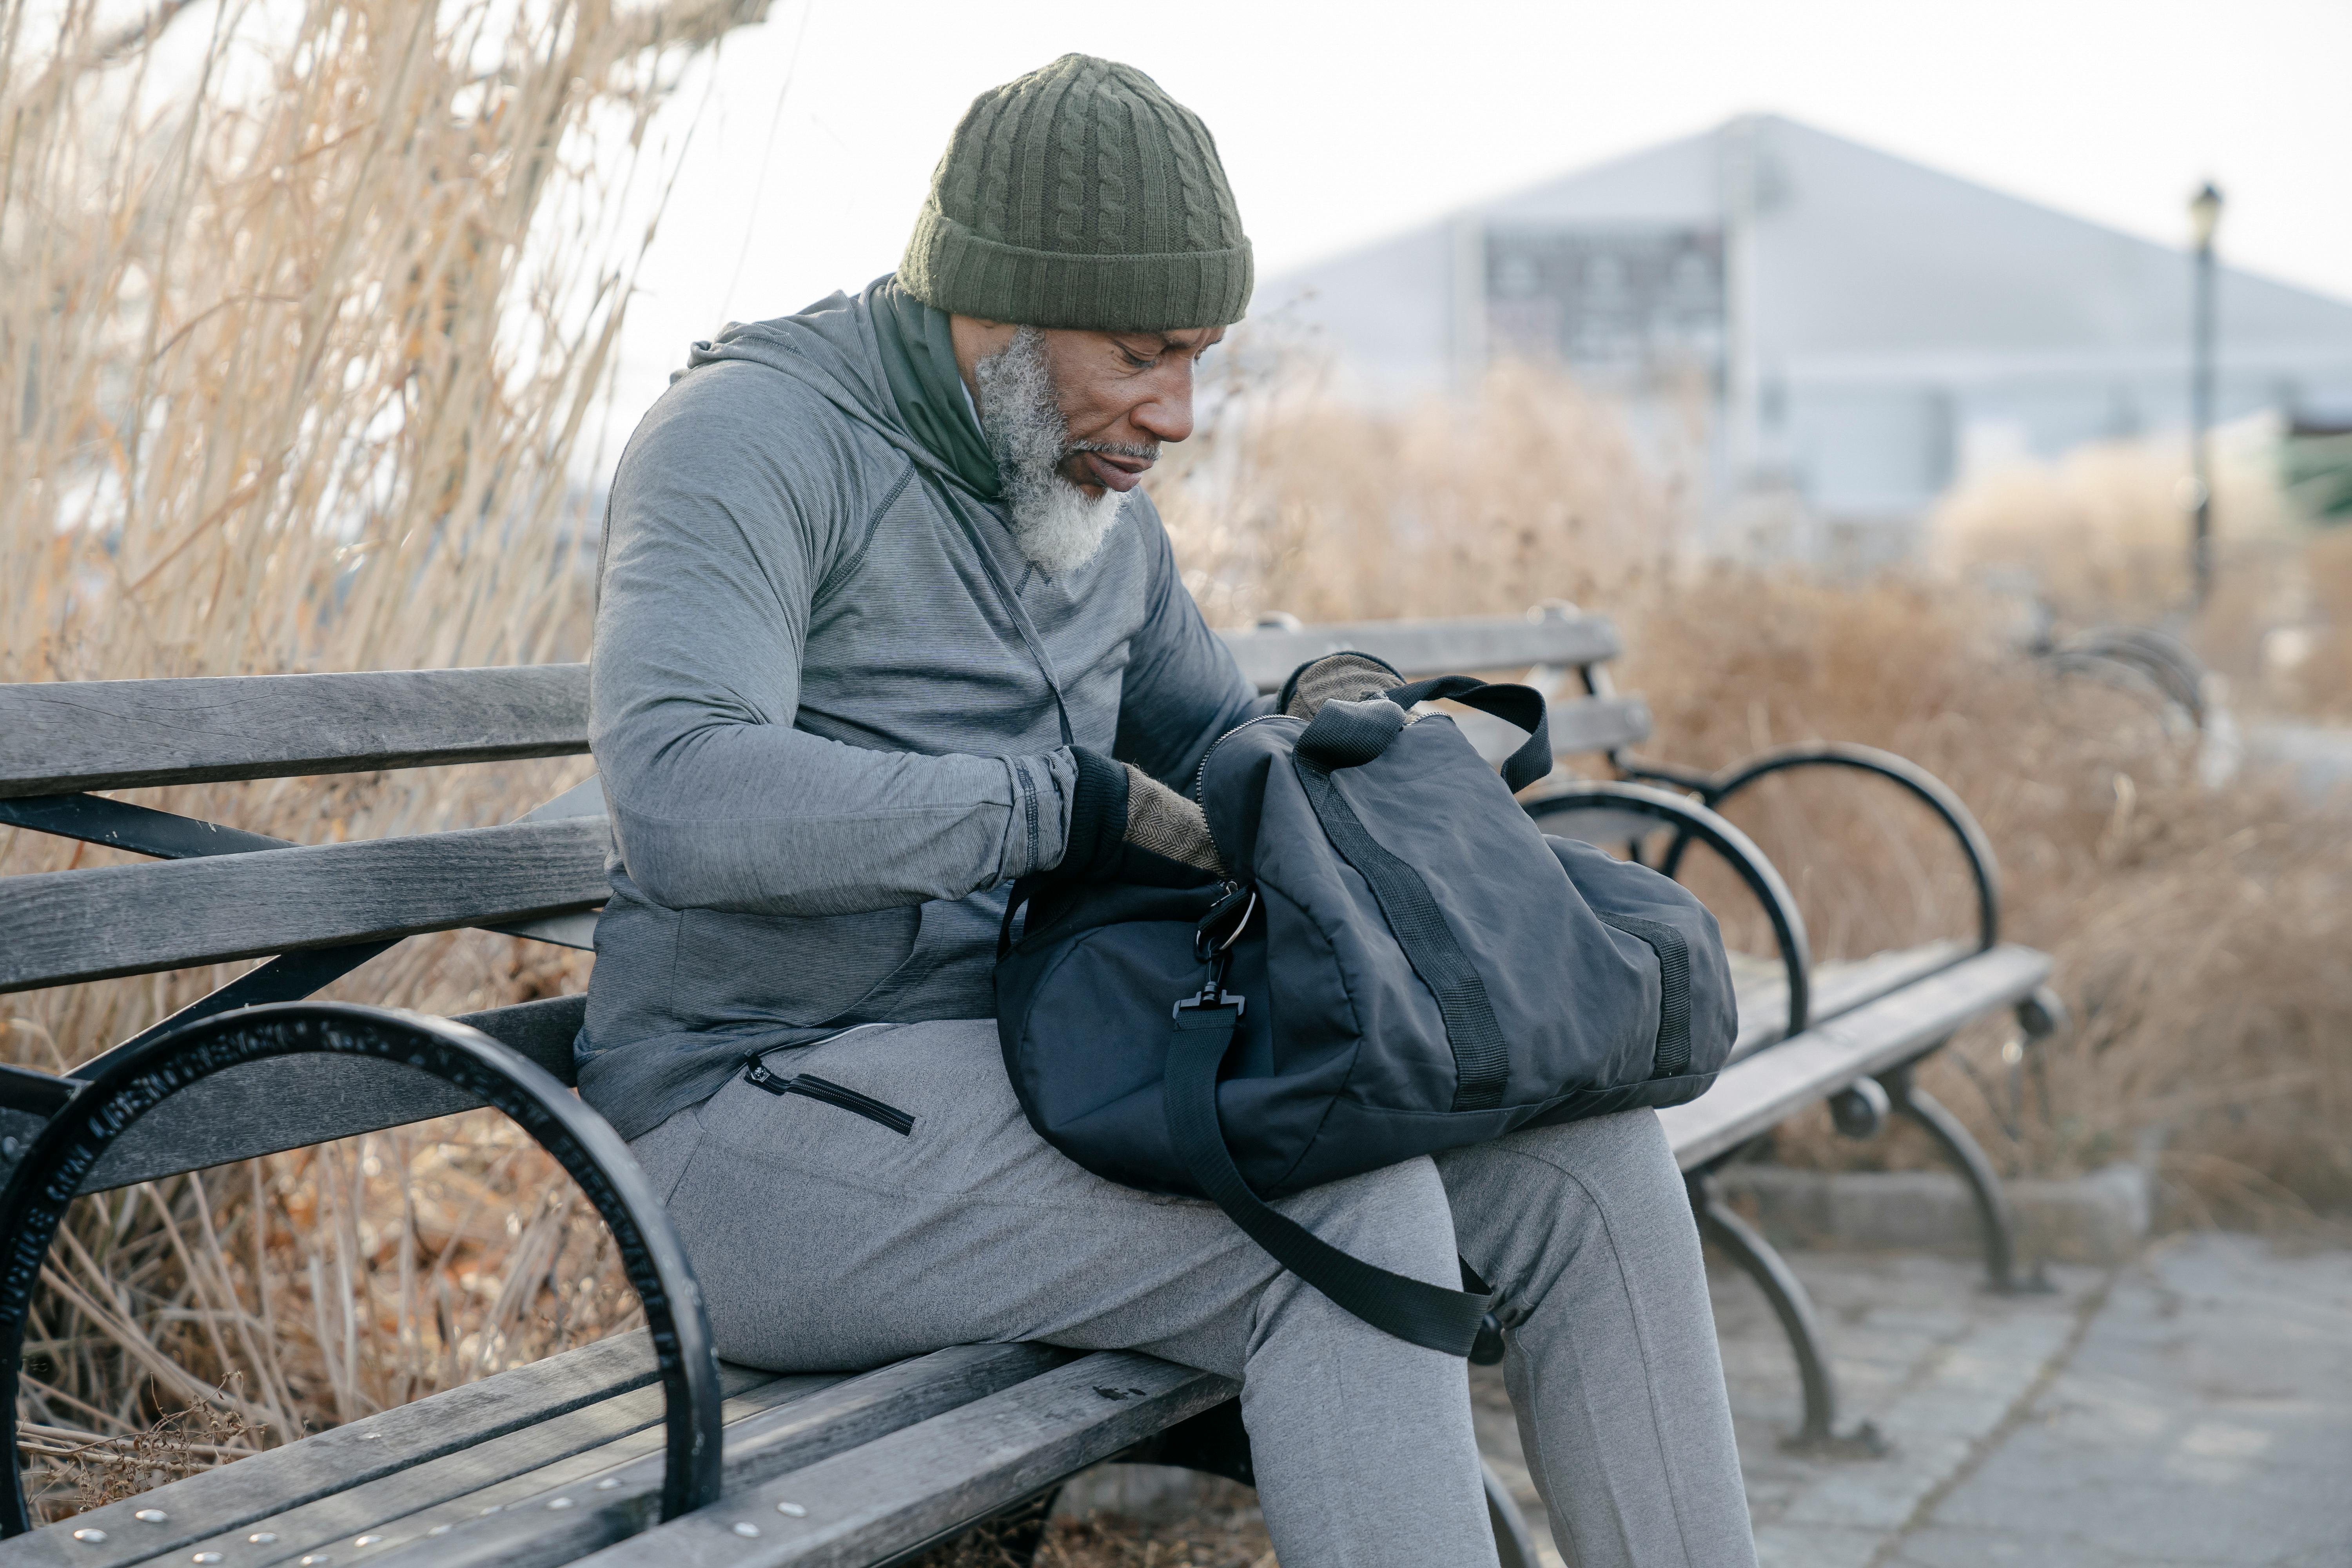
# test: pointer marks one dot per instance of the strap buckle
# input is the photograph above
(1212, 994)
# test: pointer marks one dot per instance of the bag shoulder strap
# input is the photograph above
(1411, 1310)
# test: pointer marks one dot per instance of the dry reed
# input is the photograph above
(307, 311)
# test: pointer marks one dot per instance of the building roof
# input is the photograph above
(1860, 268)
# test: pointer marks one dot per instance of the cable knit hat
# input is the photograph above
(1081, 195)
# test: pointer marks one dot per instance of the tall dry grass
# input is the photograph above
(307, 307)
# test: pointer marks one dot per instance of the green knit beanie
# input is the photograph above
(1081, 195)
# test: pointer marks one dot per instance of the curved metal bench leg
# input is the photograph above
(1513, 1544)
(1794, 1308)
(1984, 1184)
(137, 1080)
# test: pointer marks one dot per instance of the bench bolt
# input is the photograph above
(1859, 1109)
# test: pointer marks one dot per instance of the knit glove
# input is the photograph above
(1336, 676)
(1127, 827)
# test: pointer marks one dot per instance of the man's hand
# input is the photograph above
(1127, 827)
(1336, 676)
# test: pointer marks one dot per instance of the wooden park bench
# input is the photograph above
(643, 1447)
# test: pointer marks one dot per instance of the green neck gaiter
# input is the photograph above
(919, 361)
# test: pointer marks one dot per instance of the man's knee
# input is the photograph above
(1621, 1163)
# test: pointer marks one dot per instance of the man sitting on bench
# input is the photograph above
(880, 605)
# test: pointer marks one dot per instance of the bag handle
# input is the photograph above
(1519, 705)
(1411, 1310)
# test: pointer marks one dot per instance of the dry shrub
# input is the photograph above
(2101, 536)
(2305, 665)
(108, 1470)
(2103, 533)
(1288, 502)
(2198, 932)
(306, 311)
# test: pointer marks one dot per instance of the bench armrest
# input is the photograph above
(139, 1078)
(1691, 820)
(1899, 771)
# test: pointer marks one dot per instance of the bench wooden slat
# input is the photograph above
(1755, 1094)
(1428, 647)
(528, 1533)
(59, 927)
(924, 1481)
(71, 735)
(1577, 725)
(282, 1478)
(1837, 988)
(633, 1419)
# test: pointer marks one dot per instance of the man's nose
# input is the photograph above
(1167, 413)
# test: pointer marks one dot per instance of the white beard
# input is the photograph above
(1058, 525)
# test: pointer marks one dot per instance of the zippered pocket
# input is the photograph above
(756, 1073)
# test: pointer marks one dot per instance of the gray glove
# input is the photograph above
(1127, 827)
(1336, 676)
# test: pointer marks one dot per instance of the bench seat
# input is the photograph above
(567, 1461)
(960, 1434)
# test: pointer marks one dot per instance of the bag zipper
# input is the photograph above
(1200, 774)
(756, 1073)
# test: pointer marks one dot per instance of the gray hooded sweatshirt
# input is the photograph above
(826, 737)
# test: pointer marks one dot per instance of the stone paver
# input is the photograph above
(2191, 1408)
(2206, 1417)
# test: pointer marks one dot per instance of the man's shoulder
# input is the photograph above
(732, 424)
(740, 397)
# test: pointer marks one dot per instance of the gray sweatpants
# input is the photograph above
(825, 1240)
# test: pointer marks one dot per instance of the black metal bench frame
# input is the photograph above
(91, 1131)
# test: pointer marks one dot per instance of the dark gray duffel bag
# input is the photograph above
(1401, 962)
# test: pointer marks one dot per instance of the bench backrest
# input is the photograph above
(1553, 639)
(219, 893)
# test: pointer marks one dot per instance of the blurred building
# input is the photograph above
(1837, 335)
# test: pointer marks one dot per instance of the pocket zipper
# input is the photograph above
(822, 1089)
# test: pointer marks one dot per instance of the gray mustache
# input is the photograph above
(1114, 449)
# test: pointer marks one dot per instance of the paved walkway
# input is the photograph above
(2191, 1409)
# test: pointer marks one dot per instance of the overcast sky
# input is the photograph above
(1342, 123)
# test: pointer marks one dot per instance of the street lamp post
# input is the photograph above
(2204, 216)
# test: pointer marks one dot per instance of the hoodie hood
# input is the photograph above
(831, 348)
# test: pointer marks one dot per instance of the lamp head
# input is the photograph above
(2205, 213)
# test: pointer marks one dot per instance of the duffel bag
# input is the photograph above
(1401, 962)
